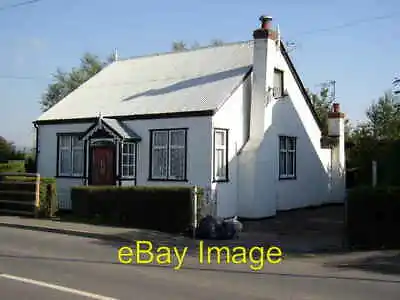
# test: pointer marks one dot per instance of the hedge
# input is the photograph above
(48, 196)
(167, 209)
(12, 167)
(373, 217)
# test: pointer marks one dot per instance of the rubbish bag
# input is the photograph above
(232, 228)
(217, 228)
(210, 228)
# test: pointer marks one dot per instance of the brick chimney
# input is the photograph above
(265, 31)
(253, 162)
(336, 131)
(335, 121)
(262, 36)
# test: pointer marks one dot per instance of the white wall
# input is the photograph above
(232, 116)
(292, 116)
(47, 158)
(262, 194)
(199, 141)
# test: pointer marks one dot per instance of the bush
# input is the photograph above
(167, 209)
(30, 165)
(13, 167)
(48, 205)
(373, 217)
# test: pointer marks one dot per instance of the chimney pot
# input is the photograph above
(266, 22)
(336, 107)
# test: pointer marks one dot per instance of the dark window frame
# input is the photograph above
(226, 154)
(285, 175)
(168, 178)
(281, 93)
(70, 175)
(121, 160)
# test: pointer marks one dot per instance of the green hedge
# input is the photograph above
(167, 209)
(373, 217)
(12, 167)
(48, 195)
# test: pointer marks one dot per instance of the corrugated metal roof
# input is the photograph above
(187, 81)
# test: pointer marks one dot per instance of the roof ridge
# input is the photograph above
(184, 51)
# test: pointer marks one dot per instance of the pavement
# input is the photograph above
(290, 243)
(47, 265)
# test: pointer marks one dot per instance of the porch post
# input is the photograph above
(117, 157)
(87, 161)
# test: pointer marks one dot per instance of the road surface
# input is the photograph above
(38, 265)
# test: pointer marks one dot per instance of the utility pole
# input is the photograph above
(331, 86)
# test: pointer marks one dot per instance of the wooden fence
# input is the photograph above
(18, 196)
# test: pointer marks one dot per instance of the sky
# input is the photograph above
(345, 41)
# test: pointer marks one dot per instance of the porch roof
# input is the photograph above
(113, 127)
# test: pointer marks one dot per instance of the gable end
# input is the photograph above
(301, 86)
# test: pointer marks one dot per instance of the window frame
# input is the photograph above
(286, 152)
(282, 87)
(133, 166)
(70, 149)
(168, 147)
(225, 148)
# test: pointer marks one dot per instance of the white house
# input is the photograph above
(235, 117)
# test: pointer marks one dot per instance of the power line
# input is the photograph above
(11, 6)
(291, 45)
(351, 23)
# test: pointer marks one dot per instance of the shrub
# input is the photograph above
(373, 217)
(48, 205)
(30, 165)
(167, 209)
(13, 167)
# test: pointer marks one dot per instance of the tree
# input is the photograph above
(179, 46)
(322, 104)
(216, 42)
(383, 118)
(8, 151)
(66, 82)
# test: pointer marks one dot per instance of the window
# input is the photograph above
(287, 157)
(168, 154)
(70, 156)
(220, 155)
(128, 160)
(278, 90)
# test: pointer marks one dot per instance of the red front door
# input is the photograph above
(102, 166)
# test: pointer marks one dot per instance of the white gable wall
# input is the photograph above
(294, 118)
(261, 192)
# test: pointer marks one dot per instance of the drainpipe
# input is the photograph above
(36, 145)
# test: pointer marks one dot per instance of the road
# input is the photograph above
(38, 265)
